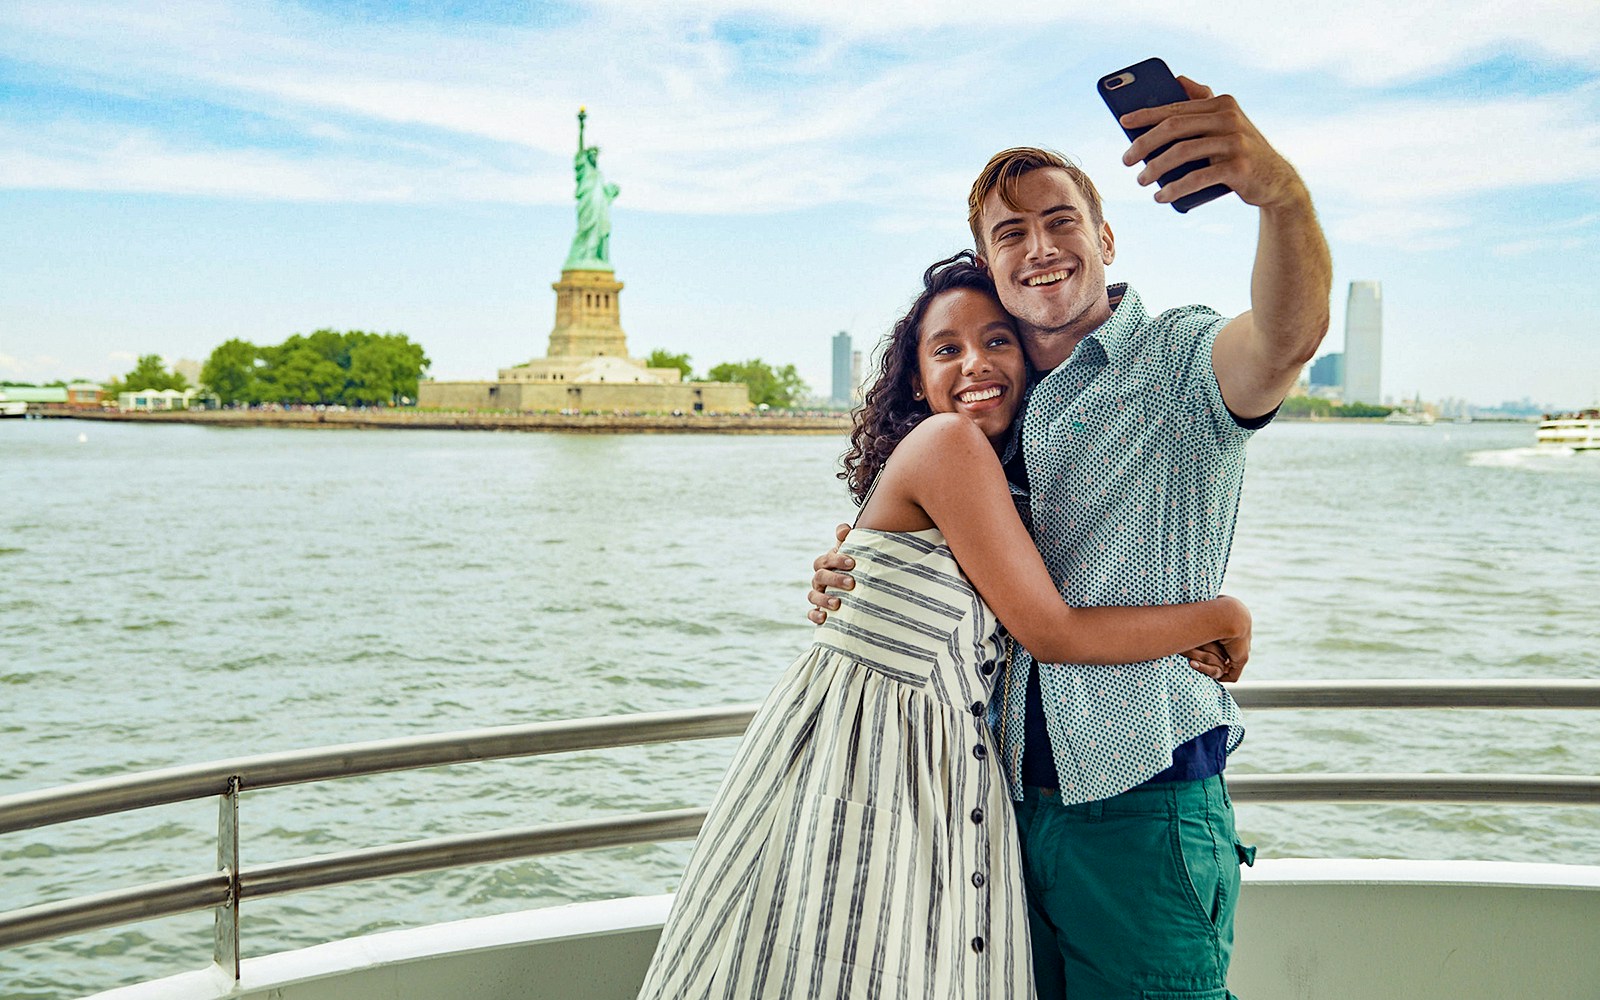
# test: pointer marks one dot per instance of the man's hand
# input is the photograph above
(829, 572)
(1211, 128)
(1260, 353)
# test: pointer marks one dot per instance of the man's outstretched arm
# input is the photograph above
(1260, 353)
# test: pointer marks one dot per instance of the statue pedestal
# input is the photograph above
(588, 318)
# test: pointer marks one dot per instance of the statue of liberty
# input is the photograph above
(591, 245)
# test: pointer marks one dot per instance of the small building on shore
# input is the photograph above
(586, 367)
(155, 399)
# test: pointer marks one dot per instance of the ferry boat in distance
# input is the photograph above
(1578, 431)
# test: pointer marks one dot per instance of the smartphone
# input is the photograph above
(1150, 84)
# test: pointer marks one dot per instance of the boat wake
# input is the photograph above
(1556, 460)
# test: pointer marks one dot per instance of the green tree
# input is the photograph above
(325, 366)
(665, 359)
(383, 368)
(150, 373)
(771, 386)
(230, 372)
(299, 371)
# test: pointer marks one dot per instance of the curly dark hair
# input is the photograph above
(888, 410)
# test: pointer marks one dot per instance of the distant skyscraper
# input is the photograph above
(843, 375)
(1327, 372)
(1363, 343)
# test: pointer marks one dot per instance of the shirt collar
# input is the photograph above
(1116, 335)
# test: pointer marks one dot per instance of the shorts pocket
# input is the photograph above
(1197, 853)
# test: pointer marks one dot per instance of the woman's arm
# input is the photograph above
(949, 469)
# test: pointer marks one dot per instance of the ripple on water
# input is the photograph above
(667, 626)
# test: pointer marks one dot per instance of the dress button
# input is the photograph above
(986, 668)
(977, 708)
(977, 815)
(977, 879)
(977, 944)
(980, 752)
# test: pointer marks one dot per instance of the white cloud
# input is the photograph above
(693, 121)
(1363, 41)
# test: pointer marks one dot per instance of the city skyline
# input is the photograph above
(179, 175)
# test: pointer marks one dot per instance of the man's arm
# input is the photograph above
(1259, 354)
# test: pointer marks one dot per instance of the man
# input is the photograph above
(1129, 457)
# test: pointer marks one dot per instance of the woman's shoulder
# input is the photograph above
(943, 434)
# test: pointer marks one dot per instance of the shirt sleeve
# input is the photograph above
(1194, 335)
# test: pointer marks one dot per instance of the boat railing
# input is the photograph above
(224, 889)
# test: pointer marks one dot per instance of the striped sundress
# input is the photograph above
(862, 844)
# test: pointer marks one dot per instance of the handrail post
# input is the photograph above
(225, 931)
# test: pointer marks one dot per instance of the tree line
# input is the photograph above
(357, 368)
(1309, 406)
(353, 368)
(769, 386)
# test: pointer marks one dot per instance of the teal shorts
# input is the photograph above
(1132, 897)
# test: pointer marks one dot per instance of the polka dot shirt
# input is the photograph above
(1134, 468)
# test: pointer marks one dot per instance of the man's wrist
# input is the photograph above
(1294, 203)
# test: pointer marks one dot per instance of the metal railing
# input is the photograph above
(224, 889)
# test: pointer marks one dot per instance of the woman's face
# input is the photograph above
(970, 361)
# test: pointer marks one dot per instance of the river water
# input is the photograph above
(174, 594)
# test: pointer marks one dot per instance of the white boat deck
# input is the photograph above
(1307, 930)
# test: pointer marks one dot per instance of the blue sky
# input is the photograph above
(175, 174)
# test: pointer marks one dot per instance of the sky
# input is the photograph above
(173, 175)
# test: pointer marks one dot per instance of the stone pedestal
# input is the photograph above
(588, 322)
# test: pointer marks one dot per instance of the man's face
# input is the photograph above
(1047, 256)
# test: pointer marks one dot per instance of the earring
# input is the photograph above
(917, 394)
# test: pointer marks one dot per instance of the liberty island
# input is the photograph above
(586, 367)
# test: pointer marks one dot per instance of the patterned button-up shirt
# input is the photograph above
(1134, 466)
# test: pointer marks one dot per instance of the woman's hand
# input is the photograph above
(828, 570)
(1224, 658)
(1210, 659)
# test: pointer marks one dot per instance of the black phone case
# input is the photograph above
(1154, 85)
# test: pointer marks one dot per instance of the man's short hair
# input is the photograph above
(1007, 167)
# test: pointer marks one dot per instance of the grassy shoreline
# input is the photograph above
(412, 419)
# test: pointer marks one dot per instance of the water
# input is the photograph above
(176, 594)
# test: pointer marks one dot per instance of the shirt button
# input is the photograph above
(977, 815)
(977, 708)
(980, 752)
(977, 944)
(986, 668)
(977, 879)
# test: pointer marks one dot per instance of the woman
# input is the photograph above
(861, 844)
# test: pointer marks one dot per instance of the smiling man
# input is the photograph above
(1128, 461)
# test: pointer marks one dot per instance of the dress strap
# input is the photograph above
(867, 497)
